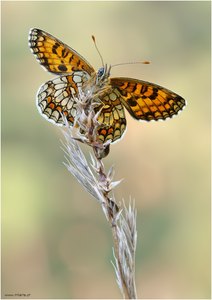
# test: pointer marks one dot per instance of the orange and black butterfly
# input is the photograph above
(143, 100)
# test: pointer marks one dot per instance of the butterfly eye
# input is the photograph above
(101, 72)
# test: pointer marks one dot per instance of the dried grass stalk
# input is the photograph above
(92, 175)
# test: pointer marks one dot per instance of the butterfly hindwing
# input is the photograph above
(147, 101)
(112, 117)
(58, 96)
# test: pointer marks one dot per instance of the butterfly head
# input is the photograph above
(103, 73)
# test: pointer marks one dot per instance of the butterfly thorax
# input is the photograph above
(98, 84)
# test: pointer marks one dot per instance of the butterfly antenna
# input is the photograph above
(146, 62)
(94, 40)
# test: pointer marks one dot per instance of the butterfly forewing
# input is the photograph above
(54, 55)
(147, 101)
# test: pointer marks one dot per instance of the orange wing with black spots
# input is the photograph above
(147, 101)
(55, 56)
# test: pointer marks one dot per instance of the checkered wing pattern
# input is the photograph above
(55, 56)
(147, 101)
(112, 117)
(57, 97)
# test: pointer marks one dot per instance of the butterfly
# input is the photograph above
(143, 100)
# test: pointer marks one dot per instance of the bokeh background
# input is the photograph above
(56, 242)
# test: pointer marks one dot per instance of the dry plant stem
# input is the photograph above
(96, 181)
(127, 294)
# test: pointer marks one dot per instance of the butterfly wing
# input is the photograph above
(147, 101)
(55, 56)
(57, 97)
(112, 117)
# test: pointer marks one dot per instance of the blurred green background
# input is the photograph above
(56, 242)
